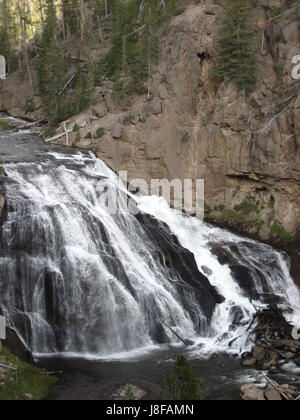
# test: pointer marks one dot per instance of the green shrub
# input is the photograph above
(183, 383)
(186, 137)
(4, 125)
(129, 396)
(246, 207)
(128, 119)
(2, 172)
(99, 132)
(276, 11)
(278, 232)
(88, 135)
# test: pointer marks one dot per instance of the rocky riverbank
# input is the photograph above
(273, 392)
(276, 345)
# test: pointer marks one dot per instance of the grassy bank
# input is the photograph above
(25, 383)
(4, 125)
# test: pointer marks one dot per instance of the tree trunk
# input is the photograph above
(41, 13)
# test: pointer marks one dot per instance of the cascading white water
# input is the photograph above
(84, 280)
(269, 273)
(77, 279)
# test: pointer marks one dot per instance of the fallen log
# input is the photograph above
(272, 325)
(186, 342)
(7, 367)
(58, 136)
(272, 338)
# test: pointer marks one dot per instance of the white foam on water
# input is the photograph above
(127, 356)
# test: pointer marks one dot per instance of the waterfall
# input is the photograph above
(76, 279)
(249, 274)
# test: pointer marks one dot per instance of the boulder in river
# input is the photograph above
(252, 393)
(251, 362)
(272, 394)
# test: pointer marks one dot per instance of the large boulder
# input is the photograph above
(100, 110)
(249, 363)
(117, 131)
(252, 393)
(155, 106)
(162, 92)
(271, 394)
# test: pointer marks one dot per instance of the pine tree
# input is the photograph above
(84, 85)
(5, 46)
(100, 9)
(70, 22)
(134, 45)
(123, 52)
(183, 384)
(51, 65)
(236, 59)
(150, 40)
(7, 35)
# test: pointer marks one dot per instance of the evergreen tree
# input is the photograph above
(5, 47)
(51, 65)
(183, 384)
(123, 53)
(7, 34)
(84, 85)
(69, 14)
(134, 44)
(235, 51)
(150, 40)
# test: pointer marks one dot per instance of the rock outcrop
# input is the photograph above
(18, 97)
(247, 148)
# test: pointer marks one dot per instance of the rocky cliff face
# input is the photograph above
(246, 148)
(19, 98)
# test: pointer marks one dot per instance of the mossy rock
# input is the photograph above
(26, 383)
